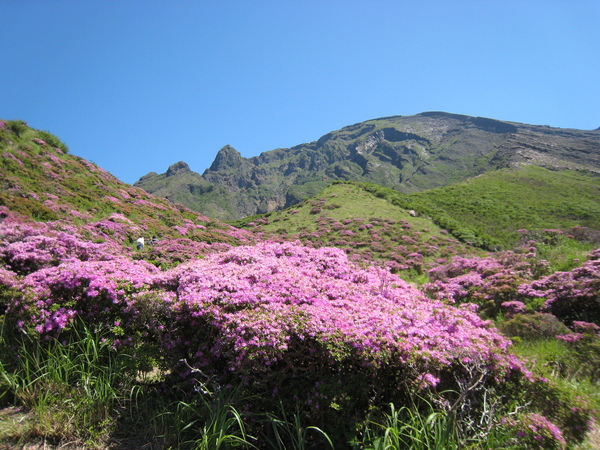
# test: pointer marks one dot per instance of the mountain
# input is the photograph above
(405, 153)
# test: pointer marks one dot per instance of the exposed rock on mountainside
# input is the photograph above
(406, 153)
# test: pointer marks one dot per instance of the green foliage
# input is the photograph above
(582, 360)
(499, 203)
(287, 432)
(563, 406)
(72, 387)
(566, 251)
(52, 140)
(569, 399)
(533, 326)
(208, 421)
(411, 428)
(19, 127)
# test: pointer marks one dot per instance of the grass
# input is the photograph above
(288, 432)
(70, 390)
(411, 429)
(551, 358)
(83, 393)
(566, 254)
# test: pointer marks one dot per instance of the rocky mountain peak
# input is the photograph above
(227, 158)
(178, 168)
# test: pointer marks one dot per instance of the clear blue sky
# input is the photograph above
(136, 86)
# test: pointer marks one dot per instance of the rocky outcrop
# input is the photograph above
(178, 168)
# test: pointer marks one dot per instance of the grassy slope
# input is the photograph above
(370, 228)
(46, 183)
(499, 203)
(486, 211)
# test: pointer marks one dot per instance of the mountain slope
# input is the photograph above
(40, 181)
(406, 153)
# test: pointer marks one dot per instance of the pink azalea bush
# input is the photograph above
(573, 295)
(304, 324)
(535, 431)
(260, 298)
(283, 317)
(490, 282)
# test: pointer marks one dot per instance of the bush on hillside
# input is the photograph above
(303, 324)
(52, 140)
(533, 326)
(570, 296)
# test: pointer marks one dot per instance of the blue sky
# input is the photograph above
(136, 86)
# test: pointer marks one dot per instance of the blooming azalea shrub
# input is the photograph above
(308, 326)
(489, 282)
(570, 296)
(26, 253)
(512, 284)
(302, 324)
(534, 431)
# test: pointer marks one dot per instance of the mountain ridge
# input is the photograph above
(406, 153)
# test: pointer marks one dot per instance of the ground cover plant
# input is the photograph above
(219, 337)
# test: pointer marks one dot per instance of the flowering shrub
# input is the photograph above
(513, 307)
(534, 431)
(573, 295)
(490, 282)
(304, 323)
(97, 291)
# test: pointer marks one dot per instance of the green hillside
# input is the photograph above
(498, 204)
(370, 228)
(41, 180)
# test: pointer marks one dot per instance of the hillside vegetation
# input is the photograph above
(299, 331)
(40, 180)
(499, 203)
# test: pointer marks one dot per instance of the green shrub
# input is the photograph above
(19, 127)
(533, 326)
(560, 404)
(52, 140)
(583, 357)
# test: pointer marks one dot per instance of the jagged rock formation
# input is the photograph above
(406, 153)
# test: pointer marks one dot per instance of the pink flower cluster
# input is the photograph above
(492, 282)
(536, 432)
(265, 313)
(377, 314)
(572, 295)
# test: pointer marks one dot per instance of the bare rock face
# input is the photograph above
(178, 168)
(227, 158)
(406, 153)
